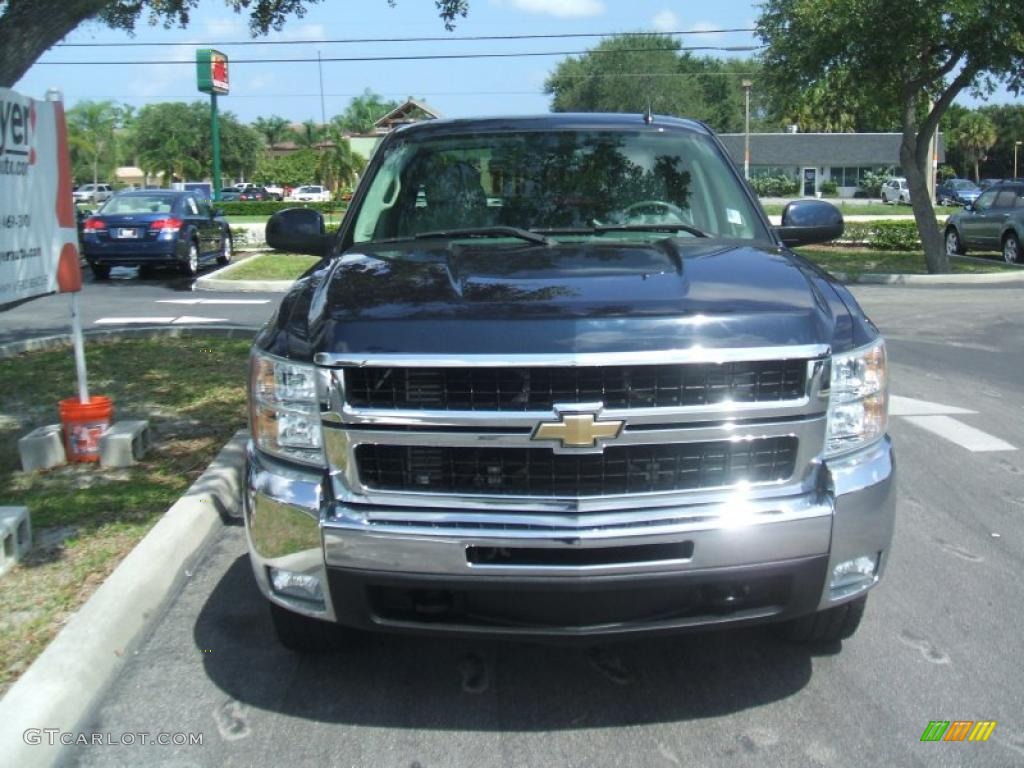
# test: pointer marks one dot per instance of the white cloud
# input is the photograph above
(704, 26)
(226, 28)
(303, 32)
(665, 21)
(563, 9)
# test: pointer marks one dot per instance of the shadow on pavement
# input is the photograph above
(429, 683)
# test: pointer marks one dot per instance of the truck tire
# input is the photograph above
(824, 627)
(303, 634)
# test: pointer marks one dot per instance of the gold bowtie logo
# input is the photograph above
(578, 430)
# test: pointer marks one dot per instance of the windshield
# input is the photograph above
(139, 204)
(555, 180)
(964, 185)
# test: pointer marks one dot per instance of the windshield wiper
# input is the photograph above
(599, 228)
(497, 231)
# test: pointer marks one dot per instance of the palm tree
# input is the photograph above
(91, 131)
(309, 135)
(975, 135)
(339, 165)
(274, 130)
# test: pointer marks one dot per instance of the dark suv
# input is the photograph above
(995, 221)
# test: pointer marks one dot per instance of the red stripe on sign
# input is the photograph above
(65, 203)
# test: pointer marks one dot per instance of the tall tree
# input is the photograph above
(974, 135)
(29, 28)
(274, 129)
(173, 138)
(363, 111)
(309, 134)
(1009, 122)
(942, 48)
(339, 165)
(91, 133)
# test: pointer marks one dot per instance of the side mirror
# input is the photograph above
(215, 212)
(299, 230)
(968, 206)
(809, 221)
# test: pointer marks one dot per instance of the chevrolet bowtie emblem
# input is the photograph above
(578, 430)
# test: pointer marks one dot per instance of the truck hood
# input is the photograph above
(432, 298)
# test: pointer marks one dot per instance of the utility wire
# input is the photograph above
(421, 57)
(351, 40)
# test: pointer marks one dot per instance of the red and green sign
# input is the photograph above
(211, 71)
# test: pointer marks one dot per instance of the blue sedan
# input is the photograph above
(154, 227)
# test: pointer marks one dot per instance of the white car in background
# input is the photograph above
(275, 189)
(896, 191)
(310, 194)
(93, 193)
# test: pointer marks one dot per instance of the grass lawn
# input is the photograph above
(272, 266)
(867, 209)
(855, 261)
(85, 519)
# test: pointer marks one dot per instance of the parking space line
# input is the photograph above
(957, 432)
(133, 320)
(213, 301)
(908, 406)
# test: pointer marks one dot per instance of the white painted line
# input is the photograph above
(908, 406)
(133, 320)
(189, 320)
(213, 301)
(963, 435)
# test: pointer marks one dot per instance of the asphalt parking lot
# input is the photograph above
(941, 639)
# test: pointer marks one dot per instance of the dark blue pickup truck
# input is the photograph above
(560, 377)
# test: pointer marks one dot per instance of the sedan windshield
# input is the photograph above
(559, 182)
(139, 204)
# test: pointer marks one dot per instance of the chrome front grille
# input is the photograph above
(541, 388)
(541, 472)
(448, 434)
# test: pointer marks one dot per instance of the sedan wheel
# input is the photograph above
(1011, 249)
(953, 245)
(225, 251)
(191, 267)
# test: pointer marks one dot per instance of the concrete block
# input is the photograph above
(42, 448)
(15, 536)
(124, 443)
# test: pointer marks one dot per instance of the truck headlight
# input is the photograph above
(284, 409)
(858, 406)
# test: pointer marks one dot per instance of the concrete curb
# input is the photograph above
(214, 281)
(882, 279)
(59, 341)
(61, 688)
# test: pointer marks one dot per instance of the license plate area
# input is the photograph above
(127, 234)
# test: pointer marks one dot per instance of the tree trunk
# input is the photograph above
(29, 28)
(977, 171)
(95, 172)
(913, 160)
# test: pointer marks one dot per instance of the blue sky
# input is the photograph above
(454, 87)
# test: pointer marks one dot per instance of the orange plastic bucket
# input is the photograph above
(84, 425)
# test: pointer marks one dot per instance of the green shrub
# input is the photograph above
(884, 235)
(871, 183)
(775, 186)
(267, 207)
(829, 188)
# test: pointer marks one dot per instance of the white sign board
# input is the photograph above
(38, 230)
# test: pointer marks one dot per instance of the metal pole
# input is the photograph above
(320, 70)
(1016, 146)
(55, 94)
(746, 133)
(215, 140)
(79, 343)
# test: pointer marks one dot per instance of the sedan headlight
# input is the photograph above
(858, 408)
(284, 409)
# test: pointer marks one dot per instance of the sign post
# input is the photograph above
(212, 78)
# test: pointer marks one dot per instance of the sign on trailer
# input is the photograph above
(38, 232)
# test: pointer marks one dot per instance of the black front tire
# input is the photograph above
(303, 634)
(1011, 249)
(954, 245)
(824, 627)
(100, 271)
(226, 250)
(190, 267)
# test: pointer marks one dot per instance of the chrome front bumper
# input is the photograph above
(291, 525)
